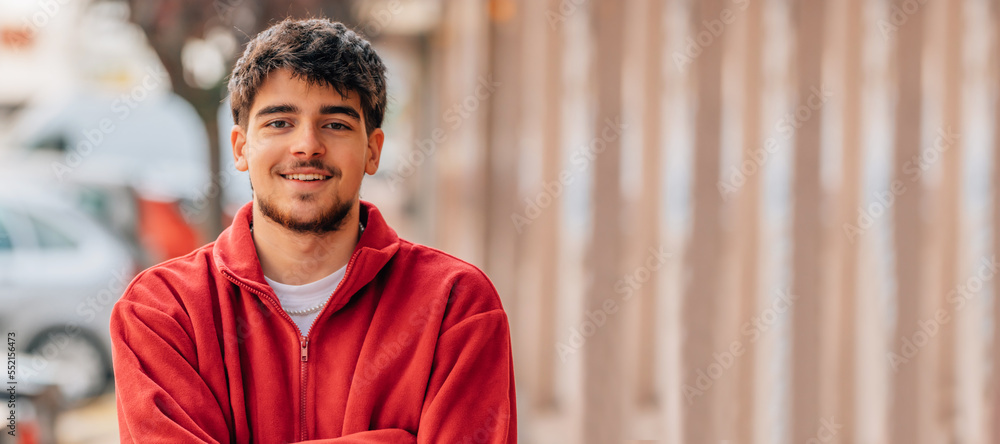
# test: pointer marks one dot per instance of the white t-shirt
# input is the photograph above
(301, 297)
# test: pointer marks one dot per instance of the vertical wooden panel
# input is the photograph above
(995, 185)
(502, 132)
(603, 395)
(850, 200)
(458, 165)
(703, 251)
(650, 200)
(911, 400)
(948, 200)
(444, 196)
(806, 225)
(529, 262)
(548, 223)
(539, 143)
(748, 230)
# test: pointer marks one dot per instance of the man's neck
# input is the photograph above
(296, 258)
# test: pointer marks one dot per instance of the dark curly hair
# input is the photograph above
(321, 51)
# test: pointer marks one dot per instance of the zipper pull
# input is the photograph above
(305, 348)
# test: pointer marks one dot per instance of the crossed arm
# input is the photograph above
(162, 397)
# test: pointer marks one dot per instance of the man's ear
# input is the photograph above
(239, 141)
(374, 151)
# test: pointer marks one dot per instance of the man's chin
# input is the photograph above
(308, 217)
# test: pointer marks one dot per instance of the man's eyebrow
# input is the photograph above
(277, 109)
(340, 109)
(325, 109)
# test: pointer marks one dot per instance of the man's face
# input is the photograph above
(306, 149)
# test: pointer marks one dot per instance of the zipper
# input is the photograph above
(303, 339)
(304, 352)
(303, 368)
(303, 346)
(263, 296)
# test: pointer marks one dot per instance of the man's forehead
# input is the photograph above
(284, 95)
(282, 83)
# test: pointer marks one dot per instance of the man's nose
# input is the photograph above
(307, 143)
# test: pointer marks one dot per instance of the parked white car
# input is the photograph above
(60, 275)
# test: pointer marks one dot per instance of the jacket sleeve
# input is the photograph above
(470, 397)
(161, 396)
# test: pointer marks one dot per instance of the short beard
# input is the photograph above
(332, 219)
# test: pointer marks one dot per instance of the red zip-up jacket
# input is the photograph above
(413, 346)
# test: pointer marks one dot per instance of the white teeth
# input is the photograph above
(305, 176)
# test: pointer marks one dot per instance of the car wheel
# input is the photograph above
(80, 366)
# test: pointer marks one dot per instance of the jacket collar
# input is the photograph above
(236, 256)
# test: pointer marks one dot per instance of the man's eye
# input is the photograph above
(278, 124)
(338, 126)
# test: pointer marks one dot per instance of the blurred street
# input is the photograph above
(708, 220)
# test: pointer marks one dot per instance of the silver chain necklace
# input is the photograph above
(305, 311)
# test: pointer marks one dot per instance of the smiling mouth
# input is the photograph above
(306, 177)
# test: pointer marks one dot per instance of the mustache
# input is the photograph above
(312, 163)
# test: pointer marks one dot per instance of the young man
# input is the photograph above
(308, 319)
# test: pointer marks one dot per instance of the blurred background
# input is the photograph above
(710, 221)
